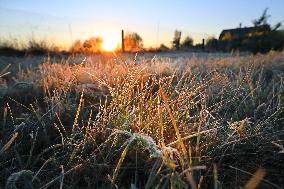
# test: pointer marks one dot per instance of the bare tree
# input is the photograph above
(176, 40)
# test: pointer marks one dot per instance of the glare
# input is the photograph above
(109, 44)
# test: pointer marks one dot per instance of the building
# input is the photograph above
(241, 33)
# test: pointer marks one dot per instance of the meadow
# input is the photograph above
(137, 121)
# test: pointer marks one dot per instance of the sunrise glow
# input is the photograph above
(109, 44)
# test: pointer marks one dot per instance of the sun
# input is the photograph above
(109, 44)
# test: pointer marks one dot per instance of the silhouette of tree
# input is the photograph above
(163, 47)
(176, 40)
(272, 39)
(77, 47)
(187, 42)
(212, 43)
(262, 20)
(93, 45)
(277, 26)
(133, 42)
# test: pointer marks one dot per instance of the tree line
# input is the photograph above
(261, 37)
(132, 42)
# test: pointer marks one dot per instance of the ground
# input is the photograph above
(142, 121)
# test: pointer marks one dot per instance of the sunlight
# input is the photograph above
(109, 44)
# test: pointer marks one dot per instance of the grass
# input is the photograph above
(120, 122)
(15, 47)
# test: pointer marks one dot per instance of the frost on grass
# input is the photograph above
(146, 141)
(239, 98)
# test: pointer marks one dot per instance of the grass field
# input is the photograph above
(142, 122)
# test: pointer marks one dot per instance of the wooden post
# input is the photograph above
(179, 39)
(122, 41)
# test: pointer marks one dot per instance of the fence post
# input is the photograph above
(122, 41)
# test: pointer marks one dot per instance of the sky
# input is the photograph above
(64, 21)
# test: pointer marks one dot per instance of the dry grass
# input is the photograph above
(118, 122)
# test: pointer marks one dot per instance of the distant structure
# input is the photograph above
(241, 33)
